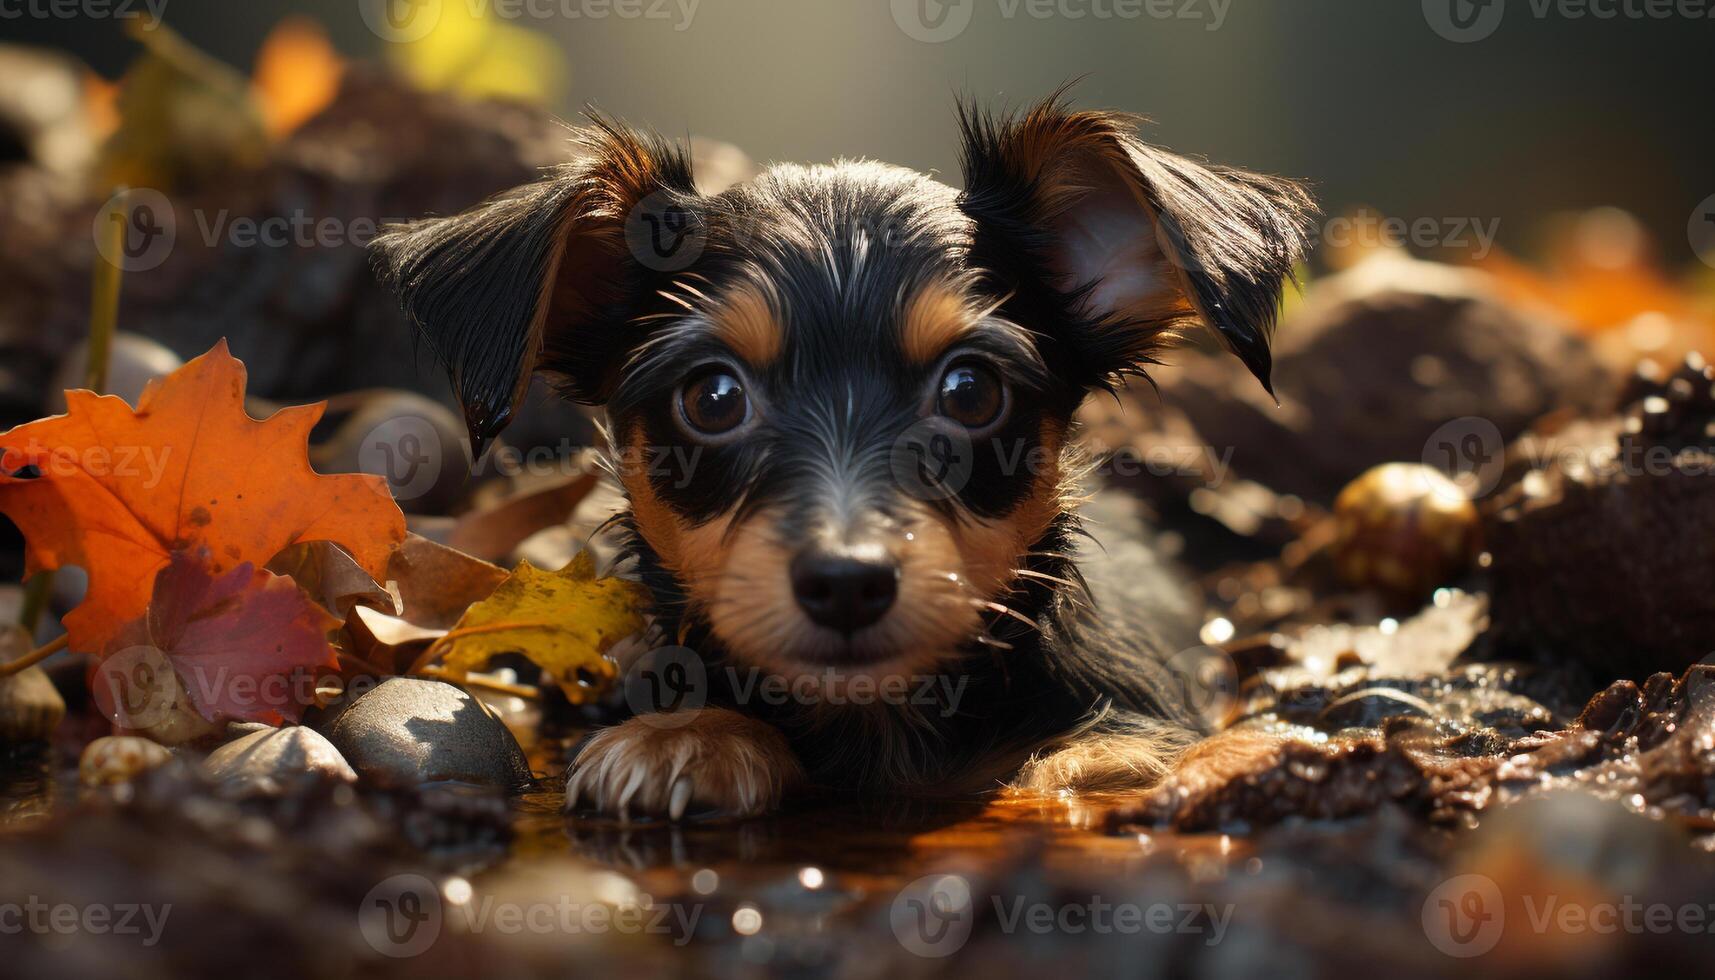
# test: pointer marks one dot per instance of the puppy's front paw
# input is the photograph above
(709, 759)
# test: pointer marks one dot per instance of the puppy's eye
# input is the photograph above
(971, 395)
(714, 402)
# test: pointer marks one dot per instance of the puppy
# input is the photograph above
(840, 402)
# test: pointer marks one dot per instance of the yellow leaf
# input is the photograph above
(183, 118)
(475, 55)
(563, 621)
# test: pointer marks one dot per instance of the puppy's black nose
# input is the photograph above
(845, 590)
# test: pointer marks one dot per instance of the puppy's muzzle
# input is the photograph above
(845, 588)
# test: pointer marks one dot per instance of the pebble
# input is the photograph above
(266, 759)
(30, 707)
(409, 730)
(119, 759)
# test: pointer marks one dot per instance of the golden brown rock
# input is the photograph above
(1403, 528)
(119, 759)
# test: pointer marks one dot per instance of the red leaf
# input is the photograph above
(244, 643)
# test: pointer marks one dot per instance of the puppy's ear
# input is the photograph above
(539, 278)
(1143, 243)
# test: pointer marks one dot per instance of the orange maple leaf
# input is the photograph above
(119, 491)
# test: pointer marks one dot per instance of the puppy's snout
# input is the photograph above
(845, 589)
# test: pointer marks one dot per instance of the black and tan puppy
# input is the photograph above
(840, 400)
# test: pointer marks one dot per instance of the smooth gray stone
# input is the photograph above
(409, 730)
(277, 754)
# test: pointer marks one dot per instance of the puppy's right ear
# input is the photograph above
(539, 278)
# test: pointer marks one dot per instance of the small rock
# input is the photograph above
(268, 758)
(409, 730)
(1403, 528)
(119, 759)
(30, 708)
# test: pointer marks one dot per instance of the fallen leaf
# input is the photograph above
(184, 117)
(235, 639)
(297, 74)
(562, 621)
(480, 56)
(434, 585)
(120, 491)
(494, 533)
(329, 575)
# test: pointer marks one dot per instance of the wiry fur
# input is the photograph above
(837, 295)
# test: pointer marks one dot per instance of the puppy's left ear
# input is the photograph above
(541, 278)
(1142, 243)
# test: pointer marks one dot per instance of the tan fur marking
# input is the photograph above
(747, 319)
(693, 552)
(1096, 763)
(751, 606)
(935, 318)
(991, 549)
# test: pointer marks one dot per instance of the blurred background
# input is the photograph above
(1364, 99)
(1534, 171)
